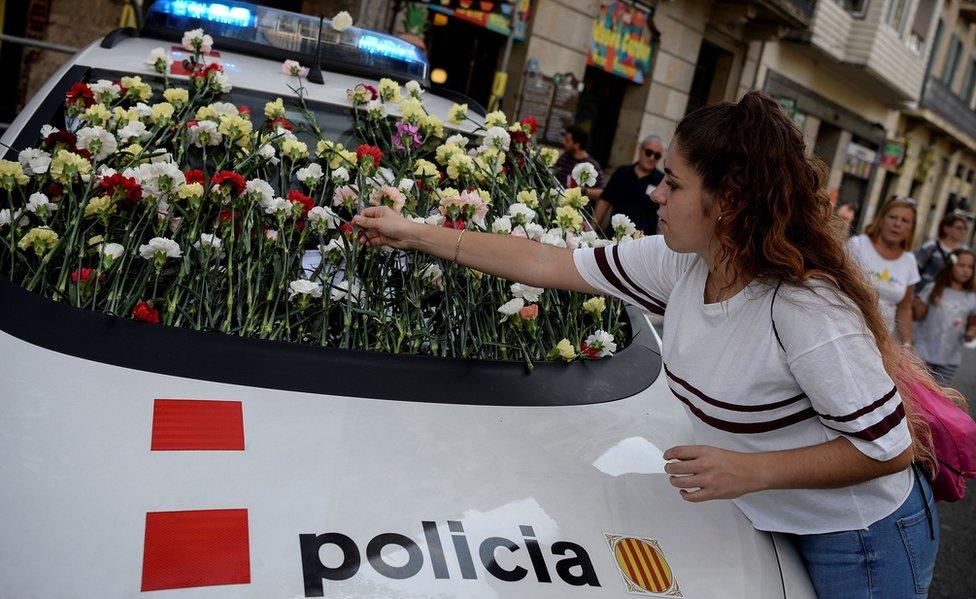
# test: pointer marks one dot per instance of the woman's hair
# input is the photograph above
(777, 223)
(874, 229)
(947, 221)
(944, 277)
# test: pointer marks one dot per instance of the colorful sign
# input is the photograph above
(497, 19)
(892, 155)
(621, 41)
(860, 160)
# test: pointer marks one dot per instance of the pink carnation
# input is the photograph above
(387, 195)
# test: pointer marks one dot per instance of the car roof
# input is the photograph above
(261, 74)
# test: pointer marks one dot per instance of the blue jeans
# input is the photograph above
(891, 559)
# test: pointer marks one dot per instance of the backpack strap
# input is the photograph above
(773, 320)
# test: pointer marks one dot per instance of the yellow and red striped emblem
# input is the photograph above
(643, 566)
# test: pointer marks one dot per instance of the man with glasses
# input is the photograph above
(629, 189)
(933, 254)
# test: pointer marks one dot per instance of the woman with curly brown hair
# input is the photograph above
(773, 341)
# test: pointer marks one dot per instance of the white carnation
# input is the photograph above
(521, 214)
(34, 161)
(133, 130)
(98, 141)
(322, 217)
(208, 241)
(584, 174)
(342, 21)
(602, 342)
(340, 175)
(111, 250)
(526, 292)
(259, 190)
(498, 138)
(105, 91)
(205, 133)
(276, 206)
(502, 224)
(458, 140)
(39, 204)
(310, 174)
(512, 307)
(194, 37)
(553, 237)
(343, 289)
(304, 287)
(159, 56)
(160, 246)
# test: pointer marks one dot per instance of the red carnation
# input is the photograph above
(60, 138)
(531, 123)
(297, 197)
(120, 187)
(587, 351)
(350, 232)
(195, 175)
(55, 191)
(519, 137)
(244, 109)
(372, 151)
(83, 274)
(454, 224)
(146, 313)
(236, 181)
(80, 93)
(280, 122)
(372, 91)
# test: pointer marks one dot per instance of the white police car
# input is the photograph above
(166, 462)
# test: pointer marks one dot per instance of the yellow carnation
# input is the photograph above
(389, 90)
(457, 113)
(496, 119)
(161, 113)
(99, 206)
(564, 350)
(12, 174)
(176, 95)
(529, 197)
(68, 165)
(40, 238)
(294, 149)
(96, 114)
(595, 306)
(569, 218)
(275, 109)
(549, 156)
(411, 110)
(190, 191)
(424, 168)
(136, 88)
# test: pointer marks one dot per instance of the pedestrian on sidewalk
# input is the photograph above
(882, 252)
(933, 253)
(629, 190)
(574, 152)
(946, 311)
(773, 341)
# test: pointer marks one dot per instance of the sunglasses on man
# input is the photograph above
(651, 154)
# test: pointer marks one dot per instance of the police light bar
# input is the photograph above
(273, 33)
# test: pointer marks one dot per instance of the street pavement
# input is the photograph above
(955, 570)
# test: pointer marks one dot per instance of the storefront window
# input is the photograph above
(952, 60)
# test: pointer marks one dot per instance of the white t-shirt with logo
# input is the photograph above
(743, 392)
(890, 277)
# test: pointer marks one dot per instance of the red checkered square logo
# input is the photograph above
(195, 548)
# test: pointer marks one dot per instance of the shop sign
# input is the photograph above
(621, 40)
(860, 160)
(494, 16)
(892, 155)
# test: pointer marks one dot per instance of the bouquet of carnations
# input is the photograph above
(156, 200)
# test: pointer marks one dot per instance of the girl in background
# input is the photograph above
(946, 309)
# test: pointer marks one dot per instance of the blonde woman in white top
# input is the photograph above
(883, 253)
(773, 342)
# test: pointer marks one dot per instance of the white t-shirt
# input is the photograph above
(939, 336)
(743, 392)
(890, 277)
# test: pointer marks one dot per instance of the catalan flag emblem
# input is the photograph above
(643, 567)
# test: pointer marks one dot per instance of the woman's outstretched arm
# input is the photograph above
(504, 256)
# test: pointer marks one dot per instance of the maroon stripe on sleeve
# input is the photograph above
(747, 428)
(731, 406)
(865, 410)
(634, 286)
(608, 274)
(878, 429)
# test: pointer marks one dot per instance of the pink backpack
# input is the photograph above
(953, 440)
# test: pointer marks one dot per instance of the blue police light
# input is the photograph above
(388, 47)
(209, 11)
